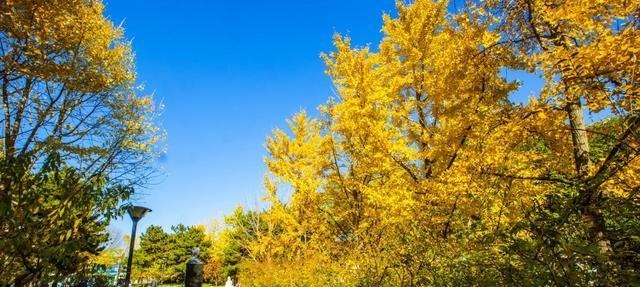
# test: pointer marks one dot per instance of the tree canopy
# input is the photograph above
(75, 135)
(163, 256)
(426, 171)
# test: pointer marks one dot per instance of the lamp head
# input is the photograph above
(137, 212)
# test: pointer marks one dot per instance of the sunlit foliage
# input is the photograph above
(75, 136)
(424, 171)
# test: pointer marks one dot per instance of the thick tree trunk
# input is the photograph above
(589, 204)
(579, 137)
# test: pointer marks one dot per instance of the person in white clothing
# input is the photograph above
(229, 282)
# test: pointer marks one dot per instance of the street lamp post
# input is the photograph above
(136, 213)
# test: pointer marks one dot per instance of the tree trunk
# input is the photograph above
(588, 204)
(579, 137)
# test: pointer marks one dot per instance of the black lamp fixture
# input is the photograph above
(136, 213)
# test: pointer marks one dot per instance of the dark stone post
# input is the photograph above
(193, 276)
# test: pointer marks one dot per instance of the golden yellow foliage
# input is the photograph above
(69, 105)
(424, 172)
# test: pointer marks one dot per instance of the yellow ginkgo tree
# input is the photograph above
(427, 170)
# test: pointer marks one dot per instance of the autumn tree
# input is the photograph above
(387, 169)
(586, 52)
(75, 136)
(426, 171)
(231, 244)
(212, 270)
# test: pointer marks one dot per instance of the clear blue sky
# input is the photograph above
(228, 72)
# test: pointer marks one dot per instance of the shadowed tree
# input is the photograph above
(75, 137)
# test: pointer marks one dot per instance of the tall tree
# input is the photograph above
(75, 136)
(425, 160)
(587, 53)
(152, 257)
(182, 241)
(163, 256)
